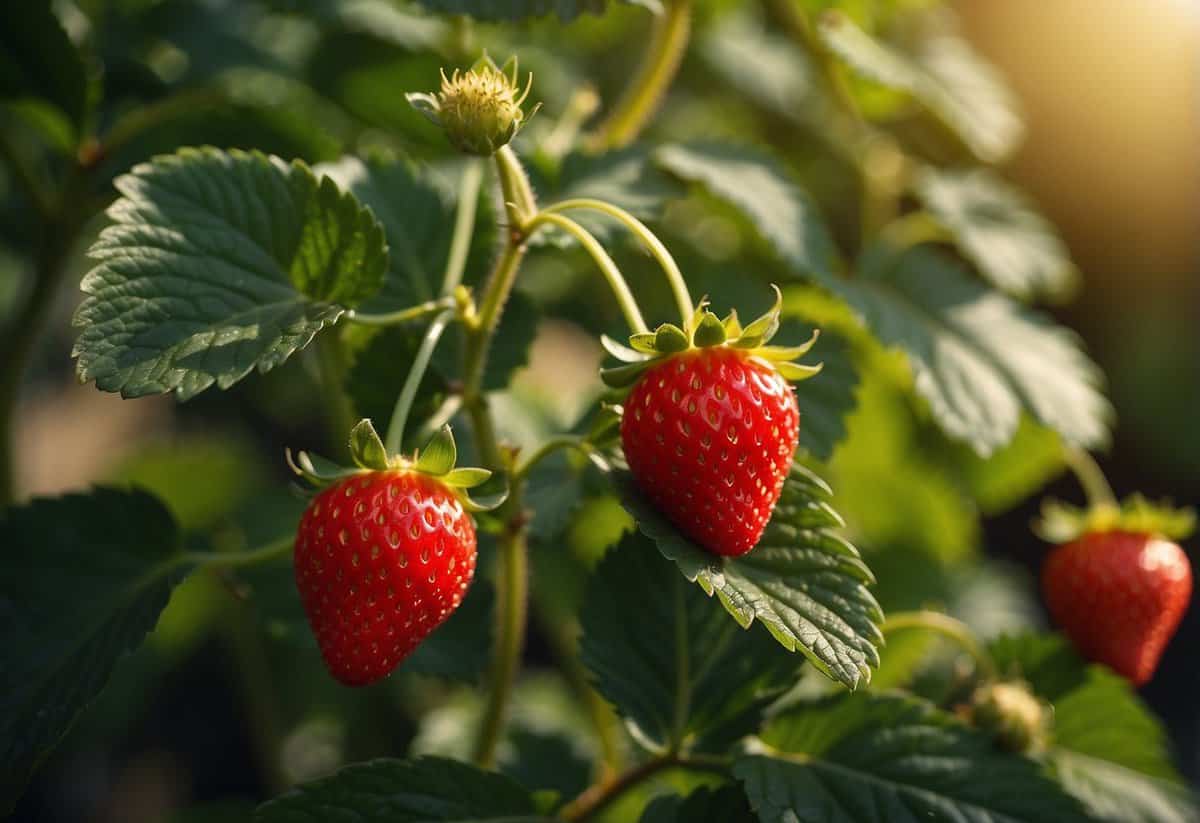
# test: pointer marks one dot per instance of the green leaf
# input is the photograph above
(83, 578)
(760, 65)
(723, 804)
(673, 664)
(978, 358)
(520, 9)
(38, 62)
(1108, 749)
(754, 183)
(998, 230)
(217, 263)
(825, 402)
(510, 346)
(460, 648)
(417, 207)
(945, 77)
(405, 791)
(806, 584)
(868, 757)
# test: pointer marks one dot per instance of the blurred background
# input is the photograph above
(225, 704)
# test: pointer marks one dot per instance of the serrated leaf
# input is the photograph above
(83, 579)
(424, 790)
(218, 263)
(39, 63)
(759, 64)
(997, 229)
(944, 76)
(755, 184)
(416, 206)
(668, 659)
(977, 357)
(1113, 793)
(723, 804)
(869, 757)
(807, 585)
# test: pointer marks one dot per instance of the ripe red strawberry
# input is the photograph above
(385, 554)
(711, 424)
(1119, 596)
(382, 559)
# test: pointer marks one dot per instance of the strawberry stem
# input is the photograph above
(394, 442)
(947, 626)
(598, 797)
(1095, 487)
(683, 298)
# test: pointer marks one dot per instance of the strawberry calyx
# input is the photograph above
(705, 330)
(437, 459)
(1061, 522)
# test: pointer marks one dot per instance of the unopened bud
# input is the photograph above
(1015, 717)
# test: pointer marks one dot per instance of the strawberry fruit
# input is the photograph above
(1116, 584)
(711, 424)
(384, 555)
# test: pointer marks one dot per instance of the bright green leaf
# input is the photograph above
(425, 790)
(806, 584)
(978, 358)
(83, 579)
(754, 183)
(867, 757)
(217, 263)
(39, 63)
(998, 230)
(668, 659)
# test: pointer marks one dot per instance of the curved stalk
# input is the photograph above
(598, 797)
(641, 97)
(948, 627)
(394, 318)
(395, 433)
(464, 226)
(565, 441)
(264, 554)
(1095, 486)
(616, 282)
(683, 298)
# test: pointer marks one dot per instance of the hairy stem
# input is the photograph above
(641, 97)
(598, 797)
(948, 627)
(393, 318)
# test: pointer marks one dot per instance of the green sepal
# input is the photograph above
(733, 326)
(1061, 522)
(669, 339)
(487, 496)
(644, 342)
(620, 377)
(622, 352)
(427, 105)
(710, 331)
(795, 372)
(762, 329)
(439, 455)
(466, 478)
(315, 469)
(782, 354)
(366, 448)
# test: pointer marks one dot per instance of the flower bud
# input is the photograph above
(480, 109)
(1014, 716)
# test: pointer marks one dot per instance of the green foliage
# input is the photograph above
(217, 263)
(516, 9)
(726, 804)
(112, 556)
(41, 73)
(677, 668)
(807, 585)
(394, 791)
(891, 758)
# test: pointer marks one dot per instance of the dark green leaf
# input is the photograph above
(670, 661)
(1113, 793)
(378, 372)
(509, 350)
(460, 648)
(39, 63)
(1045, 661)
(83, 578)
(724, 804)
(806, 584)
(868, 757)
(218, 263)
(827, 399)
(424, 790)
(998, 230)
(978, 358)
(755, 184)
(516, 9)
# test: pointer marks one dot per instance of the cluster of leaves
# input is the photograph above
(219, 263)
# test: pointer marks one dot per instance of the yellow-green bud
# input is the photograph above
(480, 109)
(1014, 716)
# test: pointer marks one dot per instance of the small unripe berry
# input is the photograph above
(1013, 715)
(480, 109)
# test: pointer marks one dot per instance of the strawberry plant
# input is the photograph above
(567, 438)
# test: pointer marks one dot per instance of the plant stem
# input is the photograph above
(645, 90)
(394, 318)
(464, 226)
(596, 798)
(22, 174)
(1095, 487)
(394, 441)
(683, 680)
(683, 298)
(479, 338)
(616, 282)
(563, 441)
(946, 626)
(264, 554)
